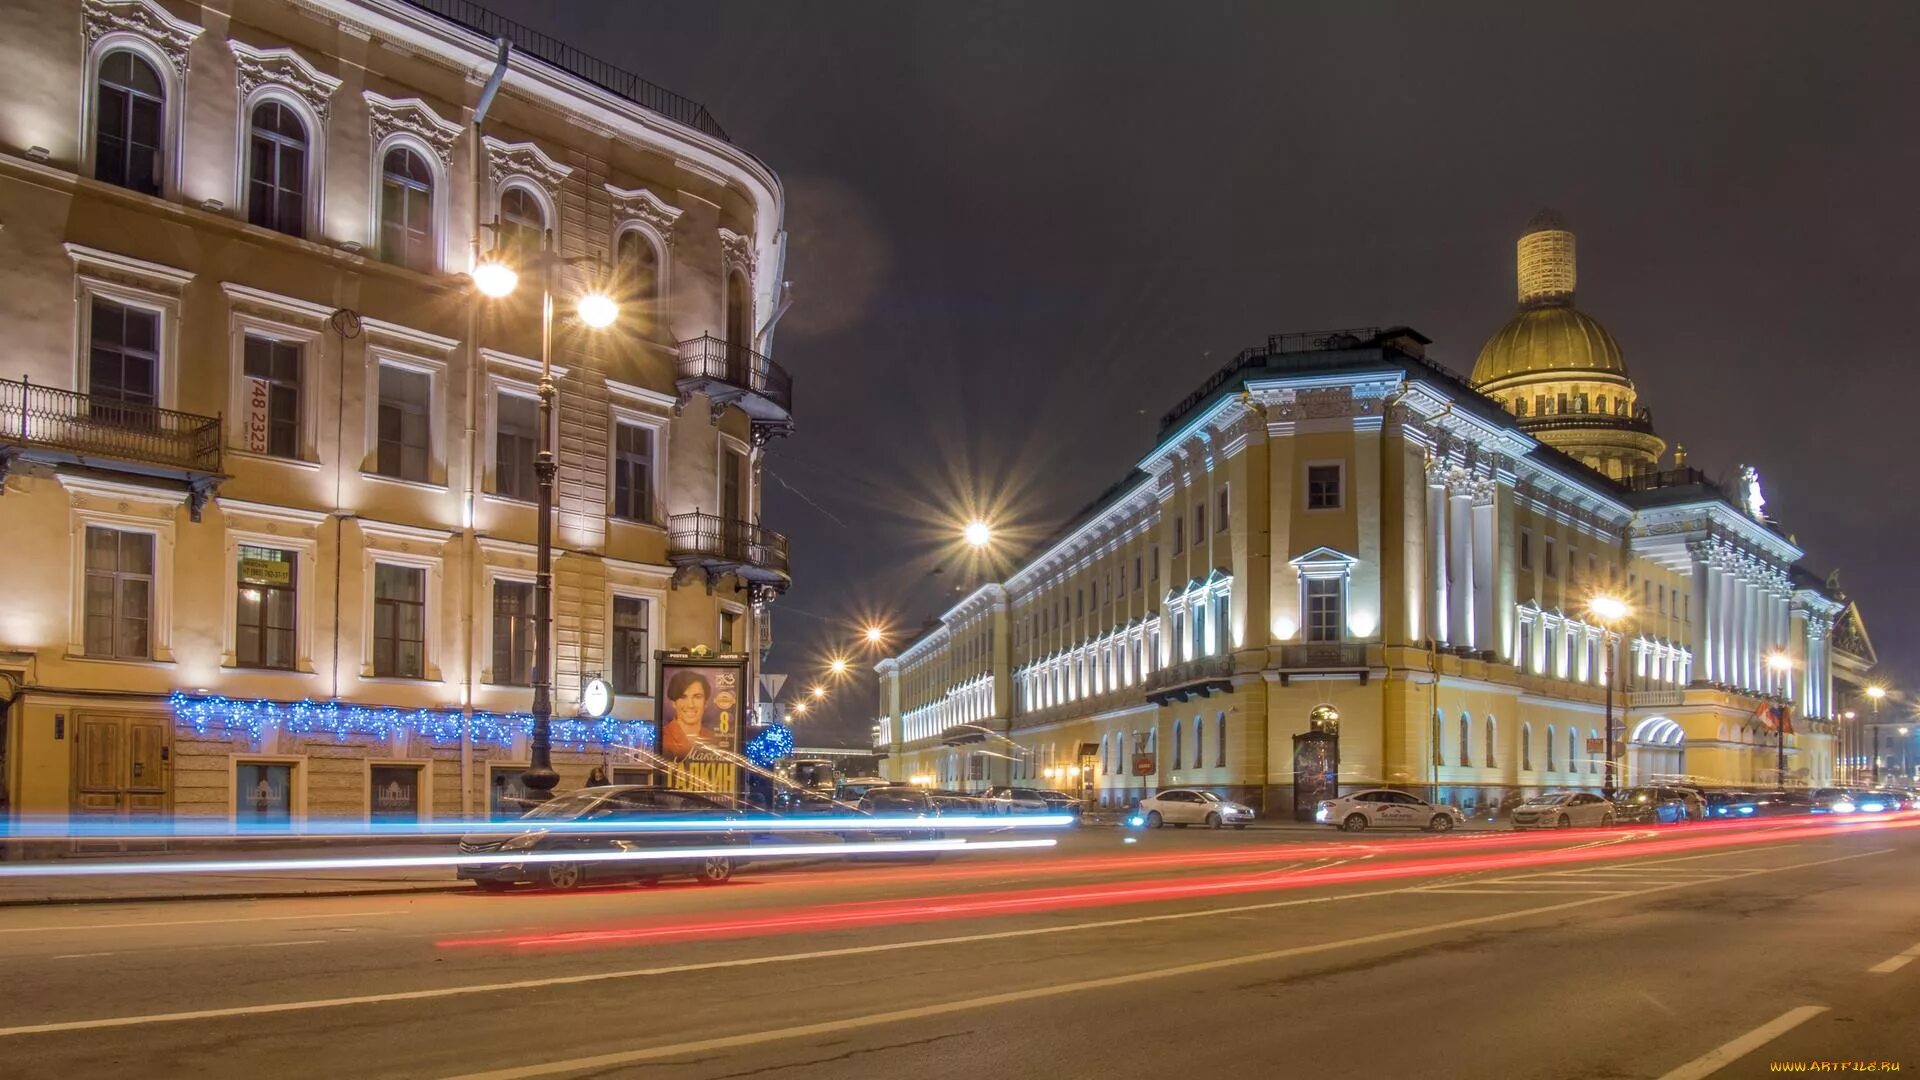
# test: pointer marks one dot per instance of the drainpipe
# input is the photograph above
(470, 496)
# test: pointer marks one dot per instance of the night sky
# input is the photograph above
(1022, 231)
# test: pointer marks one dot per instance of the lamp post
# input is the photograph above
(597, 311)
(1876, 694)
(1780, 664)
(1610, 611)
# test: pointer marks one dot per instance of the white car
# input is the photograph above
(1563, 810)
(1181, 807)
(1384, 809)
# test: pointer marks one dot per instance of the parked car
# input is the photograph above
(1563, 810)
(1181, 807)
(1059, 802)
(1833, 800)
(1016, 800)
(957, 802)
(1772, 804)
(1876, 800)
(1726, 804)
(1651, 806)
(545, 833)
(1382, 808)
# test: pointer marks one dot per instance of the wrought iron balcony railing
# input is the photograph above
(1192, 678)
(731, 374)
(100, 427)
(722, 545)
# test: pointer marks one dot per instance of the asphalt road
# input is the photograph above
(1684, 952)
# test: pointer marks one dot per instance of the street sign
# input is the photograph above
(596, 698)
(1143, 765)
(770, 683)
(1596, 746)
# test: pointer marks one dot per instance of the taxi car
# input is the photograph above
(1385, 809)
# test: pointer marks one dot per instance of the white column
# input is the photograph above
(1436, 555)
(1702, 624)
(1460, 553)
(1485, 634)
(1723, 623)
(1742, 631)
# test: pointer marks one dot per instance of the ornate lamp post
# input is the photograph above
(1780, 664)
(1609, 611)
(597, 311)
(1876, 694)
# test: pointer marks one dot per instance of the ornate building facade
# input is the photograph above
(1339, 544)
(268, 456)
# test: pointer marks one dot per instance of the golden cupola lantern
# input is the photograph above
(1560, 372)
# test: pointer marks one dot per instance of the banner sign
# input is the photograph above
(254, 426)
(701, 710)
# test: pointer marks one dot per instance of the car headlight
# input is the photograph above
(523, 842)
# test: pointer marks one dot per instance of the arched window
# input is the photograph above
(1466, 739)
(1526, 747)
(639, 269)
(1439, 755)
(1593, 761)
(1573, 749)
(1199, 742)
(277, 169)
(1549, 747)
(1177, 744)
(406, 210)
(1220, 742)
(523, 222)
(739, 328)
(1489, 760)
(130, 123)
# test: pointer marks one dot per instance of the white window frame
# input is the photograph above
(620, 414)
(423, 795)
(488, 577)
(663, 275)
(305, 596)
(243, 324)
(313, 208)
(436, 372)
(145, 511)
(728, 607)
(296, 795)
(416, 548)
(1323, 564)
(637, 581)
(1306, 471)
(496, 385)
(439, 202)
(136, 16)
(747, 503)
(158, 291)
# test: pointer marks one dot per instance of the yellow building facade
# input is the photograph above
(1340, 547)
(268, 507)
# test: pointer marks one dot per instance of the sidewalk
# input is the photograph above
(53, 887)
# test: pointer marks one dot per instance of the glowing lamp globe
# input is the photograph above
(978, 533)
(495, 279)
(598, 310)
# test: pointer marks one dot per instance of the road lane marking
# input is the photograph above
(1471, 891)
(81, 955)
(1714, 1060)
(831, 1027)
(802, 957)
(188, 922)
(1895, 962)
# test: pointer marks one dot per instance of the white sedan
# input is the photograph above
(1384, 809)
(1181, 807)
(1563, 810)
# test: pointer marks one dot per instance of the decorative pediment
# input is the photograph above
(1850, 636)
(736, 251)
(642, 205)
(411, 116)
(144, 19)
(505, 159)
(1323, 562)
(283, 67)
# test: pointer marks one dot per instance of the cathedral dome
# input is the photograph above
(1548, 339)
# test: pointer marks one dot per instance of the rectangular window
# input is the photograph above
(1199, 524)
(1220, 510)
(516, 441)
(119, 593)
(733, 485)
(1222, 624)
(272, 396)
(1200, 629)
(632, 655)
(513, 633)
(1179, 535)
(263, 795)
(396, 793)
(1080, 604)
(633, 472)
(729, 631)
(399, 621)
(1524, 661)
(123, 364)
(1153, 566)
(264, 613)
(1323, 487)
(1176, 637)
(1526, 550)
(1662, 594)
(1323, 609)
(1138, 581)
(1552, 569)
(404, 423)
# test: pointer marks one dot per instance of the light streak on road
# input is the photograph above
(186, 828)
(743, 852)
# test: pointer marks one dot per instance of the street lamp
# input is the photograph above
(799, 708)
(1780, 663)
(875, 635)
(1876, 694)
(978, 533)
(597, 311)
(838, 666)
(819, 693)
(1609, 611)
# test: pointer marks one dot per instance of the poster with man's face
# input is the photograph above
(701, 716)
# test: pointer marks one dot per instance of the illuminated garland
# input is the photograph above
(768, 747)
(227, 716)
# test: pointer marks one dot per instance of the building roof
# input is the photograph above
(1557, 339)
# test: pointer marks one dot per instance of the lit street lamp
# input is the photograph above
(1876, 694)
(978, 533)
(1780, 663)
(597, 311)
(1610, 611)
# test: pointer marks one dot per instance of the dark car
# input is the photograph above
(1833, 800)
(1059, 802)
(956, 802)
(589, 822)
(1724, 804)
(1773, 804)
(1651, 806)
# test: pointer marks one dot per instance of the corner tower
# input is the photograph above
(1559, 371)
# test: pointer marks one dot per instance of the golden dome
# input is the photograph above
(1548, 338)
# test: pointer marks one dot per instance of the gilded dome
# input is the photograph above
(1548, 338)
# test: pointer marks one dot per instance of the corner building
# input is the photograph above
(1336, 534)
(268, 509)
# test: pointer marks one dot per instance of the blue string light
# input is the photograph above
(212, 713)
(772, 744)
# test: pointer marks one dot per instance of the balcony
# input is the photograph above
(1323, 658)
(1652, 699)
(65, 427)
(716, 546)
(732, 374)
(1194, 678)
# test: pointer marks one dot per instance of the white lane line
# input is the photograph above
(1471, 891)
(189, 922)
(1895, 962)
(802, 957)
(1713, 1061)
(830, 1027)
(80, 955)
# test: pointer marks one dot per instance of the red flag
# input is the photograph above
(1777, 718)
(1785, 713)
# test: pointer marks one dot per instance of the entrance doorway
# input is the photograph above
(1656, 752)
(121, 770)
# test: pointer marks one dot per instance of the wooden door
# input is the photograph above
(121, 770)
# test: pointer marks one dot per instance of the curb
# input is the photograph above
(287, 894)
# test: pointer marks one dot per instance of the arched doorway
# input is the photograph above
(1656, 750)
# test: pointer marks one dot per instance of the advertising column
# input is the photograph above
(701, 713)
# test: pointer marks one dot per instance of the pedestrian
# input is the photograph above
(597, 778)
